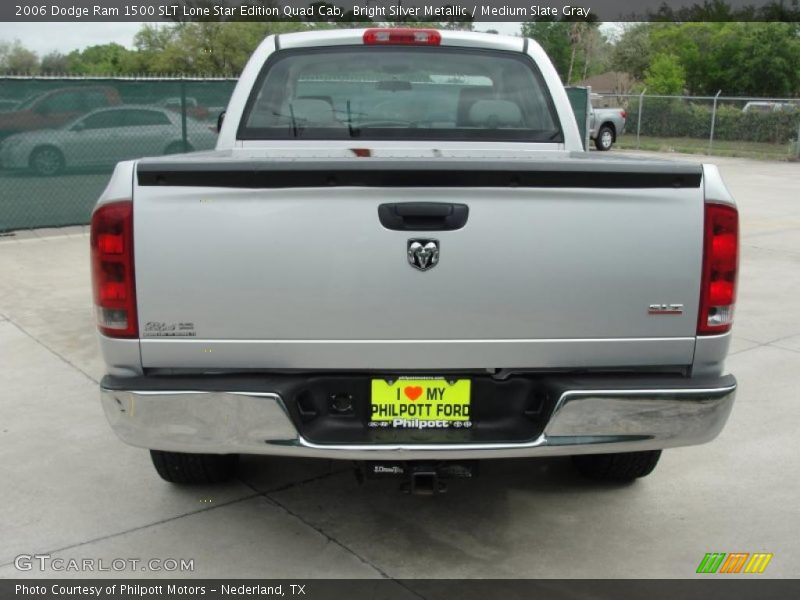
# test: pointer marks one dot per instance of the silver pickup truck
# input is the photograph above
(605, 124)
(399, 255)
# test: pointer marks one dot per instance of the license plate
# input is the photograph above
(433, 403)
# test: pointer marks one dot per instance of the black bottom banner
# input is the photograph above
(718, 588)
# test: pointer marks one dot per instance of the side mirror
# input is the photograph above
(79, 126)
(220, 119)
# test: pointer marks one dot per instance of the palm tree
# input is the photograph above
(575, 35)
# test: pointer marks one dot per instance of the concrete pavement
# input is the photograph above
(71, 489)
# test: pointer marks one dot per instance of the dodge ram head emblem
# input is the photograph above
(423, 254)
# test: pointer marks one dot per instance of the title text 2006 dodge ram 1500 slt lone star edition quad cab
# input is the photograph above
(399, 255)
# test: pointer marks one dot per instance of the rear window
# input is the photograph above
(400, 93)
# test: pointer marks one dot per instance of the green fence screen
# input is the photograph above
(61, 137)
(579, 100)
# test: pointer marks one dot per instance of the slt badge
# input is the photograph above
(423, 254)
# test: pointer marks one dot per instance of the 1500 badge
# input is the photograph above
(665, 309)
(164, 329)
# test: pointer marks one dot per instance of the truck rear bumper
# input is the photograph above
(586, 416)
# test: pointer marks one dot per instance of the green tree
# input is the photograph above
(54, 63)
(577, 49)
(758, 59)
(596, 50)
(665, 75)
(205, 47)
(739, 58)
(102, 59)
(150, 42)
(632, 52)
(15, 58)
(554, 38)
(749, 59)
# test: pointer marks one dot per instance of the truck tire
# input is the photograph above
(625, 466)
(184, 468)
(605, 138)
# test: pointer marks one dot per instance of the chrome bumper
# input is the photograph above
(584, 421)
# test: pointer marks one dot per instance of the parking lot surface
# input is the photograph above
(72, 490)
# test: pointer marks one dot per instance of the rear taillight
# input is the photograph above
(720, 265)
(111, 243)
(407, 37)
(623, 114)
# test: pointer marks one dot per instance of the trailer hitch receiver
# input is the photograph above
(417, 477)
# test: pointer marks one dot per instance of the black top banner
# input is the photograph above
(391, 11)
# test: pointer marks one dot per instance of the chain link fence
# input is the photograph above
(716, 125)
(60, 137)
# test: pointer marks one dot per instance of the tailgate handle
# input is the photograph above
(423, 216)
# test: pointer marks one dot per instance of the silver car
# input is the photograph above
(104, 137)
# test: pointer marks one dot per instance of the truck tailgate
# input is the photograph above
(287, 265)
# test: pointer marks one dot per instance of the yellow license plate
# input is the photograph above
(421, 403)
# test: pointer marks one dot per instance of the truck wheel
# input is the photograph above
(604, 139)
(47, 161)
(181, 467)
(625, 466)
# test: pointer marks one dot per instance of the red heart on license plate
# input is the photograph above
(413, 392)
